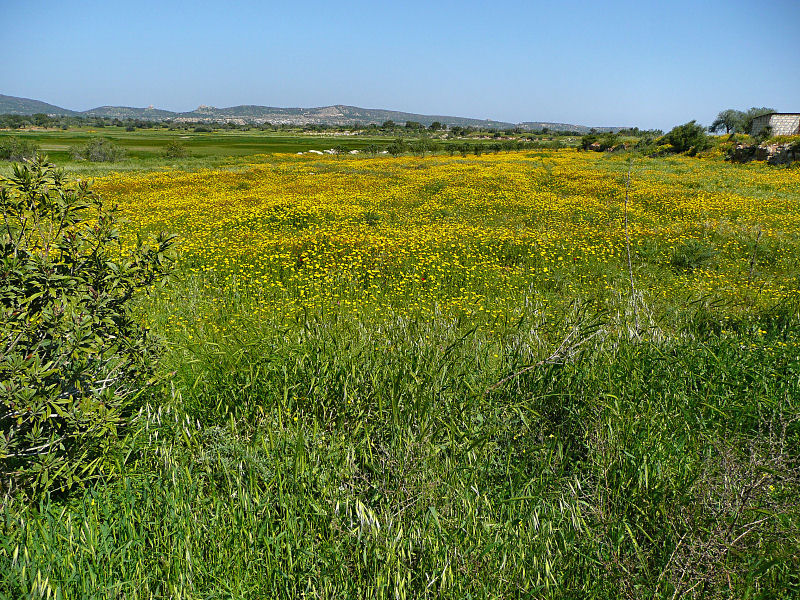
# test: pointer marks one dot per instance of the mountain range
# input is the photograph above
(326, 115)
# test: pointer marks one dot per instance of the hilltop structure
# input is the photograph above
(780, 123)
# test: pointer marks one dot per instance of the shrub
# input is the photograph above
(99, 150)
(396, 147)
(73, 360)
(175, 149)
(13, 148)
(689, 137)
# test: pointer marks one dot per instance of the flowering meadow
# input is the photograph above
(528, 374)
(480, 238)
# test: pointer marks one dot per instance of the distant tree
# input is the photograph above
(16, 149)
(436, 126)
(396, 147)
(689, 137)
(750, 116)
(413, 125)
(40, 119)
(175, 149)
(730, 119)
(587, 140)
(388, 125)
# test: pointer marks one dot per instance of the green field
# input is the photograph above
(144, 148)
(444, 377)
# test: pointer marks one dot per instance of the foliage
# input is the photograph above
(99, 150)
(604, 142)
(731, 120)
(16, 149)
(175, 149)
(750, 116)
(689, 137)
(397, 147)
(73, 360)
(763, 135)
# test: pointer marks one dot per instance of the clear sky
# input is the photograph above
(645, 63)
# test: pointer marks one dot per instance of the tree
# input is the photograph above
(174, 149)
(689, 137)
(750, 116)
(731, 119)
(388, 125)
(73, 359)
(435, 126)
(396, 147)
(16, 149)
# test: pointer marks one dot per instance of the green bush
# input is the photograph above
(175, 149)
(73, 360)
(13, 148)
(689, 137)
(99, 150)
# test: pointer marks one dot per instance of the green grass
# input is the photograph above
(145, 147)
(559, 455)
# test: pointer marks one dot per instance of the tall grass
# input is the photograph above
(367, 459)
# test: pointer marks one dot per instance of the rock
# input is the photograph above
(742, 153)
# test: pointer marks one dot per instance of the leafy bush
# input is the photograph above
(99, 150)
(605, 141)
(689, 137)
(397, 147)
(73, 360)
(175, 149)
(13, 148)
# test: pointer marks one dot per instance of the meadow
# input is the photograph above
(450, 377)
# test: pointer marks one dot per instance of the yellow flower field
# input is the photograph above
(474, 235)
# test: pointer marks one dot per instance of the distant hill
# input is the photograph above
(325, 115)
(11, 105)
(331, 115)
(128, 112)
(537, 125)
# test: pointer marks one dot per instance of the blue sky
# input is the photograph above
(644, 63)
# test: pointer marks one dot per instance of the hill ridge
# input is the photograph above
(334, 114)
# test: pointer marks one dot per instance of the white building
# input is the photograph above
(781, 123)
